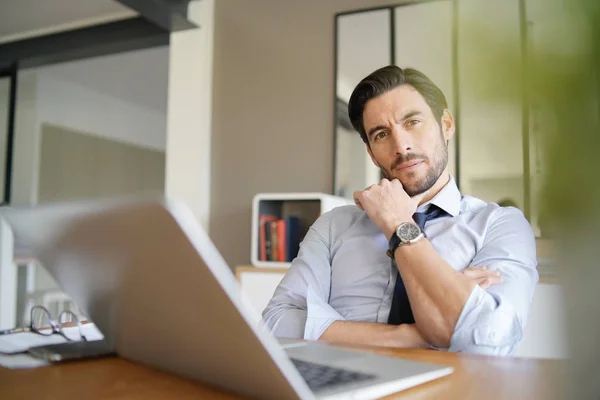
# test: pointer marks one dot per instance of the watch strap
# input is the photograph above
(393, 245)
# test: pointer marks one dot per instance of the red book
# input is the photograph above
(281, 243)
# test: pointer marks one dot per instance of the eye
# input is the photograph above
(380, 135)
(413, 122)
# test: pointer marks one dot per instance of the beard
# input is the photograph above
(431, 176)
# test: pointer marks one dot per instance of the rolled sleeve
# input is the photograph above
(300, 302)
(493, 320)
(486, 327)
(320, 315)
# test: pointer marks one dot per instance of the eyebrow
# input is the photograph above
(406, 116)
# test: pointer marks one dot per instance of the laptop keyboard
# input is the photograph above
(319, 376)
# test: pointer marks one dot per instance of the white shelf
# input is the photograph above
(267, 202)
(271, 264)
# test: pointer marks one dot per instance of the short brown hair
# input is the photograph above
(385, 79)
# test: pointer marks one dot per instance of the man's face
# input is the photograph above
(405, 140)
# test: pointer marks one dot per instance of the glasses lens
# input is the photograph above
(69, 324)
(41, 321)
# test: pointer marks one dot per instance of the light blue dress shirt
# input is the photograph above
(343, 273)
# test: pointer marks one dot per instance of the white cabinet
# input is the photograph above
(546, 329)
(259, 284)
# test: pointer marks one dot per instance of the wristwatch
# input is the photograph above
(406, 233)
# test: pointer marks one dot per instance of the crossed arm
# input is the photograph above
(474, 310)
(404, 335)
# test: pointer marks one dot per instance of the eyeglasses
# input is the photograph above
(67, 324)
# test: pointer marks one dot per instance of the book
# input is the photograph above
(281, 241)
(264, 237)
(293, 235)
(274, 255)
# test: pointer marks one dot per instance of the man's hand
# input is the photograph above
(387, 205)
(482, 276)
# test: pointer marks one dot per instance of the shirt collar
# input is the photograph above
(448, 199)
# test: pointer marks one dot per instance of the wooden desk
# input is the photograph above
(475, 377)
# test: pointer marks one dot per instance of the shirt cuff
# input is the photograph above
(319, 315)
(486, 327)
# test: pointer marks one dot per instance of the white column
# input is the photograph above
(26, 153)
(8, 278)
(189, 112)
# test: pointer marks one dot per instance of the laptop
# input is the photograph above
(152, 281)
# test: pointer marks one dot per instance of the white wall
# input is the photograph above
(82, 109)
(188, 169)
(45, 99)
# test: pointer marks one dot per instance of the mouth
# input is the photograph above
(408, 165)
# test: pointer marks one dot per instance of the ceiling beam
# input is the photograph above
(115, 37)
(170, 15)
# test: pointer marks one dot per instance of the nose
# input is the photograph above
(402, 140)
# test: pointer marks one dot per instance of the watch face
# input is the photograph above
(408, 232)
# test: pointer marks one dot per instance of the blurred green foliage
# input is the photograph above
(563, 79)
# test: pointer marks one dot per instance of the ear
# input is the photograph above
(372, 156)
(448, 127)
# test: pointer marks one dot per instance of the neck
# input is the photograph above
(437, 186)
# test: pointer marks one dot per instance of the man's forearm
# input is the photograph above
(374, 334)
(436, 291)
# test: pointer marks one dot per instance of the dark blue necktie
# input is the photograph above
(400, 312)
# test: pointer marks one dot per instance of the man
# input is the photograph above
(416, 264)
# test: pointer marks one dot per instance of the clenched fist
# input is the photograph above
(387, 205)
